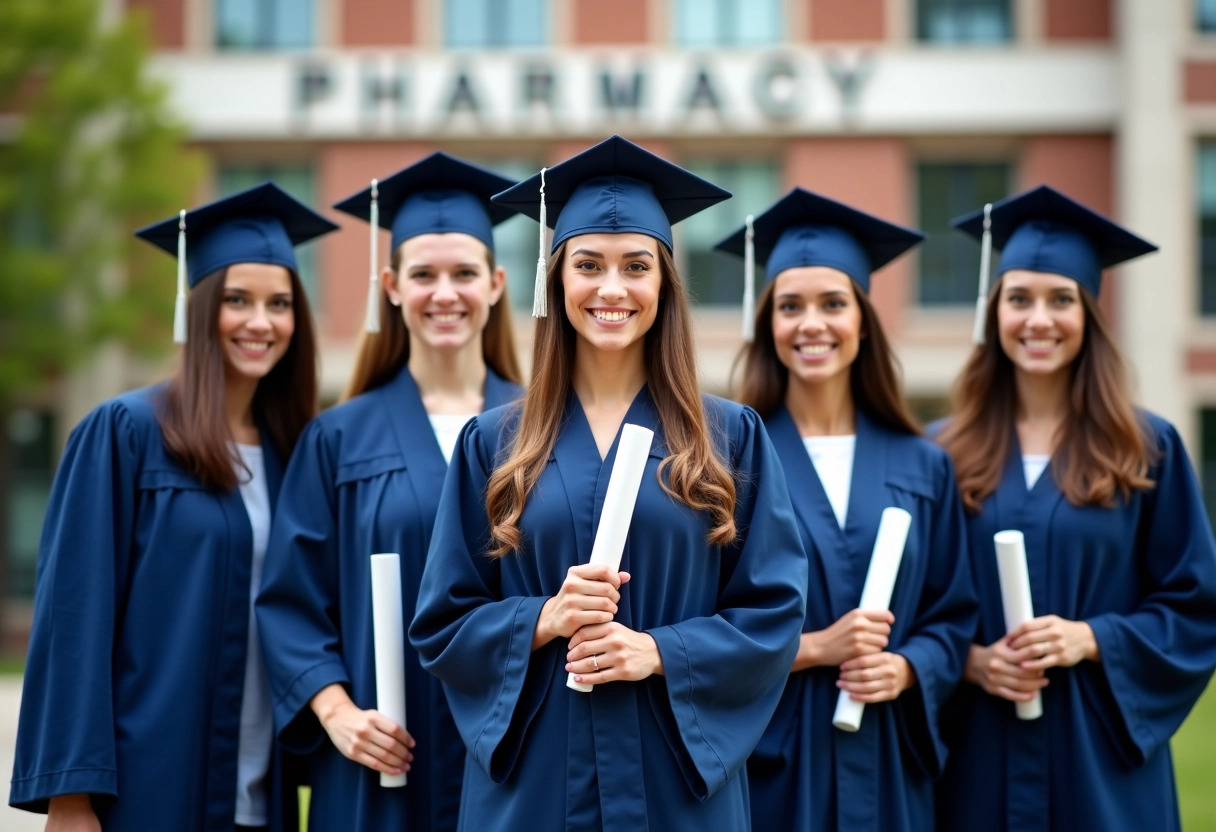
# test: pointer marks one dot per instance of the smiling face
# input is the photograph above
(817, 324)
(1041, 321)
(611, 284)
(445, 288)
(256, 320)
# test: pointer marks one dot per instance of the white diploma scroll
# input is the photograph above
(876, 595)
(623, 485)
(388, 637)
(1015, 597)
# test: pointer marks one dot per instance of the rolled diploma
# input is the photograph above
(623, 485)
(876, 595)
(388, 637)
(1015, 597)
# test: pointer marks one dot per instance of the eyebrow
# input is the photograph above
(415, 266)
(240, 290)
(598, 255)
(798, 295)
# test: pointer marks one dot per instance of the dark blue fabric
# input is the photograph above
(666, 753)
(260, 225)
(804, 228)
(1143, 574)
(806, 774)
(436, 195)
(365, 478)
(136, 664)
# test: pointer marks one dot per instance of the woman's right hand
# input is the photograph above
(72, 813)
(589, 595)
(367, 737)
(856, 633)
(996, 668)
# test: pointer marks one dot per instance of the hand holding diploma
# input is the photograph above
(1016, 601)
(876, 595)
(388, 640)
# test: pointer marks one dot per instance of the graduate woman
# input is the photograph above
(822, 375)
(145, 703)
(366, 479)
(687, 647)
(1120, 554)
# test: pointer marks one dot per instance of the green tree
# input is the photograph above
(88, 152)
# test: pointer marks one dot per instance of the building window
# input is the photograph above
(964, 21)
(30, 437)
(299, 181)
(516, 239)
(949, 260)
(728, 22)
(713, 277)
(1205, 16)
(1207, 462)
(264, 24)
(489, 23)
(1207, 228)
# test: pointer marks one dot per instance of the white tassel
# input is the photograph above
(179, 306)
(981, 302)
(373, 281)
(539, 288)
(749, 282)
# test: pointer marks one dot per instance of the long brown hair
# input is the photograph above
(874, 377)
(1102, 447)
(192, 417)
(692, 471)
(383, 354)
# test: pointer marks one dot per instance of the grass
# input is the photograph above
(1195, 765)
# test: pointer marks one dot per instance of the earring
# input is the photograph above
(395, 301)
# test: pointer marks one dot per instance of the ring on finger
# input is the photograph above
(595, 660)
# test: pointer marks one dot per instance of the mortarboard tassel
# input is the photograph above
(749, 282)
(179, 306)
(981, 302)
(373, 281)
(539, 302)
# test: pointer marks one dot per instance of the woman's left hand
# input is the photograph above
(876, 677)
(1052, 641)
(612, 653)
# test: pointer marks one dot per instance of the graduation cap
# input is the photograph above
(437, 195)
(614, 187)
(1042, 230)
(260, 225)
(806, 229)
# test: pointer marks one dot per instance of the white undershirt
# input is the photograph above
(1034, 465)
(256, 737)
(447, 431)
(832, 457)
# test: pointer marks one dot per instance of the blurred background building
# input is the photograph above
(916, 110)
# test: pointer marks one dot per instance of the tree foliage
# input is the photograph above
(88, 152)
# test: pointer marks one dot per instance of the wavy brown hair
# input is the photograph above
(874, 377)
(1102, 448)
(383, 354)
(192, 417)
(692, 471)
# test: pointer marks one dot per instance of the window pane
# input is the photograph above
(1207, 227)
(263, 24)
(297, 180)
(1205, 15)
(1207, 462)
(712, 277)
(949, 260)
(30, 436)
(964, 21)
(480, 23)
(728, 22)
(516, 240)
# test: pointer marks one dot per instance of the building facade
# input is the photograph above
(916, 110)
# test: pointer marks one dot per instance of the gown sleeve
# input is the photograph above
(724, 673)
(476, 642)
(1158, 658)
(65, 738)
(297, 604)
(946, 619)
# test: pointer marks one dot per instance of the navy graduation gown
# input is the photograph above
(805, 774)
(136, 663)
(1143, 574)
(666, 753)
(365, 478)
